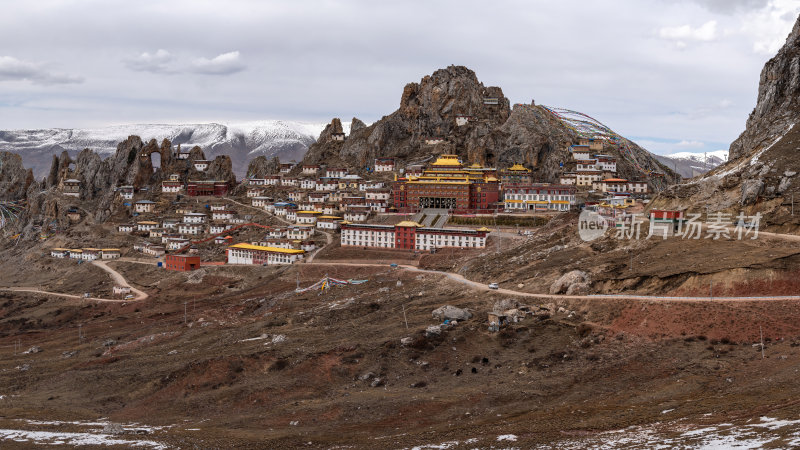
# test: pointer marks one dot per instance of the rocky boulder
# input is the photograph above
(449, 312)
(575, 282)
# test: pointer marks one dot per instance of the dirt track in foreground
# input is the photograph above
(611, 364)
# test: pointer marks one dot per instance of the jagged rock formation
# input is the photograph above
(760, 175)
(260, 167)
(221, 169)
(286, 139)
(356, 124)
(14, 178)
(495, 134)
(778, 94)
(132, 164)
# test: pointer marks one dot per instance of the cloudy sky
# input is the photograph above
(677, 75)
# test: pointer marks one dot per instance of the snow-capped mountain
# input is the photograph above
(241, 141)
(690, 165)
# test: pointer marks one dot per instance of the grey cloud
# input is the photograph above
(15, 69)
(158, 62)
(224, 64)
(731, 6)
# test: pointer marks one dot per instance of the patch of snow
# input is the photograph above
(742, 164)
(74, 439)
(257, 338)
(681, 435)
(775, 424)
(507, 437)
(443, 445)
(721, 154)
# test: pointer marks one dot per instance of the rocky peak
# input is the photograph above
(333, 128)
(778, 95)
(260, 167)
(356, 124)
(474, 121)
(427, 109)
(196, 153)
(221, 169)
(14, 178)
(761, 172)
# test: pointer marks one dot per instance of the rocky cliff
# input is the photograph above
(777, 105)
(14, 178)
(495, 134)
(761, 172)
(260, 167)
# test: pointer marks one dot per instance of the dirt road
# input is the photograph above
(119, 280)
(483, 287)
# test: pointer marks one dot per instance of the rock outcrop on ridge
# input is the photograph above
(496, 134)
(761, 172)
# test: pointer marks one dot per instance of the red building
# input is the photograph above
(446, 183)
(665, 214)
(207, 188)
(405, 235)
(182, 263)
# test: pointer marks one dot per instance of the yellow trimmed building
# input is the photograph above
(447, 183)
(250, 254)
(516, 174)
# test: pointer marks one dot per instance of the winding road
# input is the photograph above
(141, 295)
(484, 287)
(119, 280)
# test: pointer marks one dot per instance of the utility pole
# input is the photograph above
(404, 316)
(792, 203)
(762, 341)
(184, 311)
(711, 290)
(80, 333)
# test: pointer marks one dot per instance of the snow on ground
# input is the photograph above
(769, 433)
(84, 432)
(74, 439)
(721, 154)
(752, 160)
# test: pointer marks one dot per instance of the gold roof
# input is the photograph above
(447, 160)
(290, 251)
(519, 168)
(408, 223)
(483, 229)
